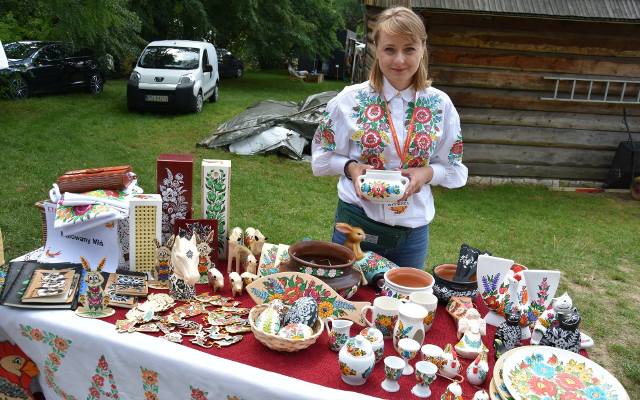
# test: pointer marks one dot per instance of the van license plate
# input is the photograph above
(156, 99)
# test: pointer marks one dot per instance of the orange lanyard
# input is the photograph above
(407, 140)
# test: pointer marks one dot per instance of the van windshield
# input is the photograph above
(161, 57)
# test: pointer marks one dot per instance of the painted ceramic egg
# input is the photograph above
(268, 321)
(295, 331)
(304, 310)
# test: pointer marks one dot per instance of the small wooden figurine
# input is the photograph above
(163, 264)
(204, 261)
(184, 260)
(254, 240)
(243, 258)
(235, 239)
(471, 328)
(216, 280)
(94, 302)
(248, 277)
(236, 284)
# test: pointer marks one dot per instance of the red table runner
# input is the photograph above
(317, 364)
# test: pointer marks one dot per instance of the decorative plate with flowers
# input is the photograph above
(542, 372)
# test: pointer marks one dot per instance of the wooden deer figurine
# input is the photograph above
(204, 261)
(94, 302)
(235, 239)
(163, 264)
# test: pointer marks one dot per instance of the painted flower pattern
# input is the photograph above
(324, 133)
(216, 186)
(455, 154)
(98, 380)
(346, 370)
(385, 323)
(379, 189)
(392, 373)
(354, 350)
(198, 394)
(371, 134)
(174, 202)
(268, 261)
(149, 383)
(427, 114)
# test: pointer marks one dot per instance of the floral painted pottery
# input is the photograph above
(548, 372)
(410, 324)
(408, 348)
(393, 367)
(480, 395)
(432, 353)
(429, 302)
(401, 282)
(295, 331)
(373, 267)
(356, 361)
(472, 327)
(377, 341)
(425, 375)
(290, 286)
(345, 284)
(446, 286)
(453, 392)
(451, 366)
(320, 254)
(508, 335)
(304, 310)
(384, 314)
(269, 320)
(338, 331)
(565, 335)
(477, 371)
(383, 186)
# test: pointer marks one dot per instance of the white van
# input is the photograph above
(174, 74)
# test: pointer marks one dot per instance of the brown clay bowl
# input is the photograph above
(445, 287)
(320, 254)
(401, 282)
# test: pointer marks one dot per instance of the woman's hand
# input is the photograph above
(417, 178)
(355, 169)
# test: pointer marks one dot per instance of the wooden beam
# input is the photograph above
(596, 122)
(537, 171)
(520, 61)
(534, 155)
(543, 137)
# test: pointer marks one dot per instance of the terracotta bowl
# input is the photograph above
(401, 282)
(321, 254)
(445, 287)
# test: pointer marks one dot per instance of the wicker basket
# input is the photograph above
(275, 342)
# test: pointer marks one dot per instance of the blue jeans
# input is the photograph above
(412, 252)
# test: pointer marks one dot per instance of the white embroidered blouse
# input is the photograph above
(355, 127)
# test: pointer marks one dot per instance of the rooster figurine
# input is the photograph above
(16, 373)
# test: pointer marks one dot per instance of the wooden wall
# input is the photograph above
(493, 69)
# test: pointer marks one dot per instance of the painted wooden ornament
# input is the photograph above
(304, 311)
(94, 302)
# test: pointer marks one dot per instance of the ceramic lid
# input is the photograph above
(358, 347)
(412, 310)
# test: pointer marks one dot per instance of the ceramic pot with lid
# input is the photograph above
(356, 360)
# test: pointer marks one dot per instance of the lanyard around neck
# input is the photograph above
(402, 153)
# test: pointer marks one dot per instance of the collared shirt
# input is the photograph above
(355, 127)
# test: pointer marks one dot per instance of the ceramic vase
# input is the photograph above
(410, 324)
(393, 367)
(356, 361)
(425, 375)
(451, 365)
(477, 371)
(377, 341)
(338, 331)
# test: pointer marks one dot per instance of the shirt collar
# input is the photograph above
(390, 92)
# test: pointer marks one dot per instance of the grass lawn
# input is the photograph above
(592, 238)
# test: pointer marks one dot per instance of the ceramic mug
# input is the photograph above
(338, 330)
(429, 302)
(384, 314)
(382, 186)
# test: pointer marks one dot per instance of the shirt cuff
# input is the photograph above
(337, 162)
(439, 173)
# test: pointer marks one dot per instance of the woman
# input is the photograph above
(396, 120)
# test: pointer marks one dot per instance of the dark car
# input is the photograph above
(38, 66)
(228, 65)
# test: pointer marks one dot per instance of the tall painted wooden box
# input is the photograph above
(175, 185)
(145, 227)
(216, 198)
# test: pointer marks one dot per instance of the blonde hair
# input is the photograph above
(401, 21)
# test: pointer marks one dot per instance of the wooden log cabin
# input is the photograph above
(542, 87)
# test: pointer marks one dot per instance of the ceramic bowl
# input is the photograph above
(320, 254)
(401, 282)
(445, 287)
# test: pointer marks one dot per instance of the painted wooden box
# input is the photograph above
(216, 198)
(145, 226)
(175, 185)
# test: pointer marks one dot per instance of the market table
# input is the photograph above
(84, 358)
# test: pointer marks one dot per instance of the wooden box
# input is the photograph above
(175, 185)
(145, 226)
(216, 198)
(314, 78)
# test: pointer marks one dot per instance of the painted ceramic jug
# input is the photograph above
(374, 336)
(477, 371)
(382, 186)
(338, 331)
(410, 323)
(451, 366)
(356, 360)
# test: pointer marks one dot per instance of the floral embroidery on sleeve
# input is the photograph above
(455, 154)
(426, 130)
(324, 134)
(371, 136)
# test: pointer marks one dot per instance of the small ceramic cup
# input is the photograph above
(429, 302)
(393, 367)
(434, 354)
(384, 314)
(338, 331)
(408, 348)
(425, 375)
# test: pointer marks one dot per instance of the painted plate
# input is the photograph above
(501, 389)
(539, 372)
(493, 392)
